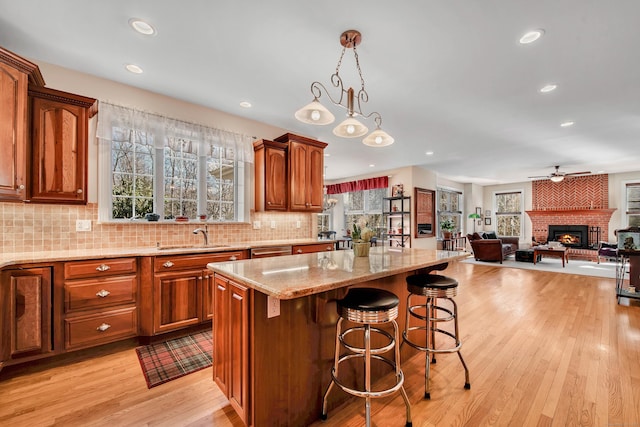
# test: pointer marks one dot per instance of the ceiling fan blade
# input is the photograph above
(539, 176)
(578, 173)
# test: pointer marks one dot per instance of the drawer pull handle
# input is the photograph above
(103, 293)
(238, 297)
(103, 327)
(233, 258)
(329, 248)
(222, 288)
(299, 251)
(79, 191)
(103, 267)
(168, 264)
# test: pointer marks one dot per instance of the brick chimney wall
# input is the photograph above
(580, 200)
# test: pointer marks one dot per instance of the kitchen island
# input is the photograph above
(274, 325)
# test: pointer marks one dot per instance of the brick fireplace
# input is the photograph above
(580, 200)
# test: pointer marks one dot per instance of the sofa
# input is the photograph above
(489, 247)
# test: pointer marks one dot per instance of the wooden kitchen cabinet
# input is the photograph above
(312, 248)
(289, 174)
(16, 74)
(59, 134)
(231, 343)
(270, 175)
(100, 301)
(182, 290)
(25, 324)
(305, 172)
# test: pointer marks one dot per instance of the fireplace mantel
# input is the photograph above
(572, 212)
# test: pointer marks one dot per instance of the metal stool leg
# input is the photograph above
(399, 373)
(467, 384)
(334, 369)
(367, 373)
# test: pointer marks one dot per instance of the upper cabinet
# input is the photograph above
(270, 175)
(305, 172)
(59, 135)
(16, 74)
(43, 137)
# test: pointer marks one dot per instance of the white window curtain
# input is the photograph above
(162, 127)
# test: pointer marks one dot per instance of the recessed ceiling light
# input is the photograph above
(372, 165)
(531, 36)
(429, 153)
(567, 124)
(548, 88)
(134, 68)
(245, 104)
(142, 27)
(327, 155)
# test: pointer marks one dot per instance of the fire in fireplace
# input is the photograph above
(573, 236)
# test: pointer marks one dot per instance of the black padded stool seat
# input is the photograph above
(367, 307)
(433, 287)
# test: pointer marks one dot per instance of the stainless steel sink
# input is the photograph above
(189, 247)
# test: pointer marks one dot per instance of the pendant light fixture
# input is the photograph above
(317, 114)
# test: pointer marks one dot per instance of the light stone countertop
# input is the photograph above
(294, 276)
(14, 258)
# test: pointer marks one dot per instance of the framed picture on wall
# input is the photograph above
(487, 213)
(479, 211)
(487, 221)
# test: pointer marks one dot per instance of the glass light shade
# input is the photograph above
(558, 178)
(378, 138)
(315, 113)
(350, 128)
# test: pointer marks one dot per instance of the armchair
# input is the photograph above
(607, 250)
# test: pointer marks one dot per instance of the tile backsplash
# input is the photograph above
(35, 228)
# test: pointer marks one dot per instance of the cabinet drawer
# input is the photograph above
(86, 331)
(99, 267)
(316, 247)
(89, 294)
(178, 262)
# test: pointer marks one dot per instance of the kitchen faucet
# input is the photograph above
(204, 232)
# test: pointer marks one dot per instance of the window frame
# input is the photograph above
(519, 214)
(627, 213)
(241, 175)
(449, 212)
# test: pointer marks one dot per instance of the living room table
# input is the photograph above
(550, 252)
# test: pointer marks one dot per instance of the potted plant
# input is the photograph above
(447, 226)
(361, 236)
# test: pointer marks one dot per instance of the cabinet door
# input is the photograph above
(207, 295)
(177, 300)
(239, 350)
(275, 184)
(315, 169)
(298, 183)
(13, 133)
(59, 134)
(306, 177)
(27, 312)
(221, 333)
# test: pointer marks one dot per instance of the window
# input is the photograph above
(367, 204)
(633, 204)
(508, 214)
(155, 164)
(449, 207)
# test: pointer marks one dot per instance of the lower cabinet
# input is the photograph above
(312, 248)
(231, 343)
(100, 301)
(182, 290)
(25, 319)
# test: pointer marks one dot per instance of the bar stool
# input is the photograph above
(433, 286)
(367, 307)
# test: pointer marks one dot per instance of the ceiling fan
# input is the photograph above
(558, 176)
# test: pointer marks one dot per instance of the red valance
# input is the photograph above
(359, 185)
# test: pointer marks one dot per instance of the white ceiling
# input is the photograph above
(446, 76)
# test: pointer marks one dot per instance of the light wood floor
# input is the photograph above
(543, 349)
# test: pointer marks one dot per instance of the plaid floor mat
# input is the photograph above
(166, 361)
